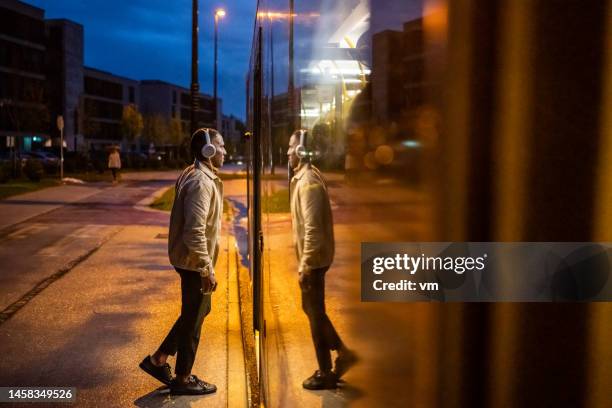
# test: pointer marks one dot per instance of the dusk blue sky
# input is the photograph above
(151, 39)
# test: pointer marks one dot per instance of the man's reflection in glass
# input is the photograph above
(313, 234)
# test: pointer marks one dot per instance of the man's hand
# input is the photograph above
(209, 283)
(304, 280)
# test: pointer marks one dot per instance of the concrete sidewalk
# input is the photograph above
(19, 208)
(22, 207)
(91, 328)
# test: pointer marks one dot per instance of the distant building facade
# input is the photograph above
(398, 80)
(42, 76)
(172, 101)
(232, 129)
(65, 78)
(23, 78)
(103, 99)
(283, 123)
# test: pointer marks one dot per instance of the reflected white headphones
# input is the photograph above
(300, 150)
(209, 149)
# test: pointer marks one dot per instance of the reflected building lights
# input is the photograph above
(330, 85)
(353, 27)
(275, 15)
(411, 144)
(337, 67)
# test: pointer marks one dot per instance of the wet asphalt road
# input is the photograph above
(35, 249)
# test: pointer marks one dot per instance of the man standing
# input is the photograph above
(195, 225)
(313, 233)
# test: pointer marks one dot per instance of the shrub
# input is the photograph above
(6, 170)
(75, 162)
(135, 162)
(51, 169)
(179, 164)
(33, 169)
(154, 163)
(70, 165)
(99, 165)
(171, 163)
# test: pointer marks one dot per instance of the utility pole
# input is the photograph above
(291, 85)
(195, 86)
(275, 137)
(216, 63)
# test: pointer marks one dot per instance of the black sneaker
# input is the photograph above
(161, 373)
(321, 381)
(345, 360)
(193, 386)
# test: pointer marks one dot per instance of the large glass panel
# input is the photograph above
(432, 121)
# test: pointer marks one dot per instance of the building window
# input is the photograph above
(105, 89)
(173, 111)
(185, 99)
(132, 97)
(173, 98)
(104, 110)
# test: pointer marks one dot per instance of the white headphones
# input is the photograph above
(209, 149)
(300, 150)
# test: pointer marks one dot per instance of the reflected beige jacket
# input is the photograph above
(195, 220)
(311, 216)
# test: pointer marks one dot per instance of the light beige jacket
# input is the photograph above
(311, 216)
(195, 220)
(114, 160)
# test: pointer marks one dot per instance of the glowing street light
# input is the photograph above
(195, 86)
(219, 13)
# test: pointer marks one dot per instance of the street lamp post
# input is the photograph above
(219, 13)
(291, 84)
(195, 87)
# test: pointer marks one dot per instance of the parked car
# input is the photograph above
(134, 160)
(49, 161)
(6, 156)
(239, 160)
(47, 158)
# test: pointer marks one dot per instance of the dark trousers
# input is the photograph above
(184, 336)
(114, 171)
(324, 336)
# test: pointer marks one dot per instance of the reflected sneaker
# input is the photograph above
(193, 386)
(345, 360)
(321, 381)
(160, 373)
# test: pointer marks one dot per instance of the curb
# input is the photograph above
(143, 205)
(248, 339)
(245, 304)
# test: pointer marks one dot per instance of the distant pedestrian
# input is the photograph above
(193, 247)
(313, 235)
(114, 163)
